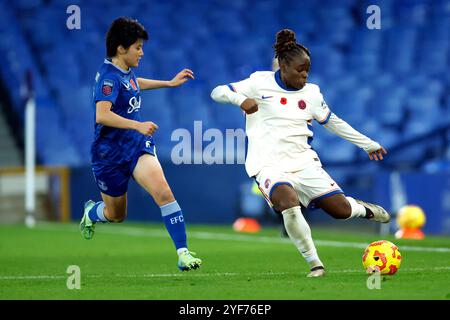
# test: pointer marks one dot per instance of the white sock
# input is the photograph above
(181, 250)
(358, 210)
(300, 234)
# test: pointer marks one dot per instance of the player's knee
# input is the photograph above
(284, 197)
(284, 203)
(342, 211)
(164, 196)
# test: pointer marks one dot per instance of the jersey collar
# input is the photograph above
(281, 83)
(107, 61)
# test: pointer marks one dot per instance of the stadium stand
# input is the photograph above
(9, 152)
(392, 84)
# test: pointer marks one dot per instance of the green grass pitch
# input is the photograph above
(138, 261)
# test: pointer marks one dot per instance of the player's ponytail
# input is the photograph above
(286, 46)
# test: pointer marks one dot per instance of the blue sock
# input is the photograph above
(174, 221)
(96, 212)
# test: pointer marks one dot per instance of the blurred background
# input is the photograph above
(392, 84)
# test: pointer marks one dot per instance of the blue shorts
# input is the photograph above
(112, 179)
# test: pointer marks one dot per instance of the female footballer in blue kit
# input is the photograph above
(123, 146)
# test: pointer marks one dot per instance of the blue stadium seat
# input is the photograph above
(335, 149)
(424, 106)
(436, 166)
(416, 128)
(399, 53)
(227, 116)
(336, 23)
(370, 127)
(377, 80)
(27, 4)
(386, 137)
(53, 142)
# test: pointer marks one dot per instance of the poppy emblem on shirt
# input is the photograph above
(133, 84)
(302, 104)
(283, 100)
(267, 183)
(107, 87)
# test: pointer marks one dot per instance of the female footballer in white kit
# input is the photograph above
(280, 107)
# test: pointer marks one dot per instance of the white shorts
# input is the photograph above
(311, 184)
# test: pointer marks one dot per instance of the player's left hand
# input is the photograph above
(377, 154)
(183, 76)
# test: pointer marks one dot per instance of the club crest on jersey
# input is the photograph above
(107, 87)
(283, 101)
(267, 183)
(302, 104)
(133, 84)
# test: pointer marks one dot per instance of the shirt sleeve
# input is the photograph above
(237, 92)
(224, 94)
(345, 131)
(320, 111)
(245, 87)
(107, 89)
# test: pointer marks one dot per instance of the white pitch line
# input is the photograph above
(139, 232)
(202, 275)
(263, 273)
(37, 277)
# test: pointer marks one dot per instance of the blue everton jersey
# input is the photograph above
(113, 145)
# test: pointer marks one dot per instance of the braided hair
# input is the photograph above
(286, 46)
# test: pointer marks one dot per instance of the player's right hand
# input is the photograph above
(147, 128)
(249, 106)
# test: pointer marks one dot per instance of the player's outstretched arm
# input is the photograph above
(106, 117)
(183, 76)
(344, 130)
(223, 94)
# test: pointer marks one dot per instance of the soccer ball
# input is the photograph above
(382, 256)
(410, 217)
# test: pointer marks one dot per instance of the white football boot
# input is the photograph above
(379, 214)
(316, 272)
